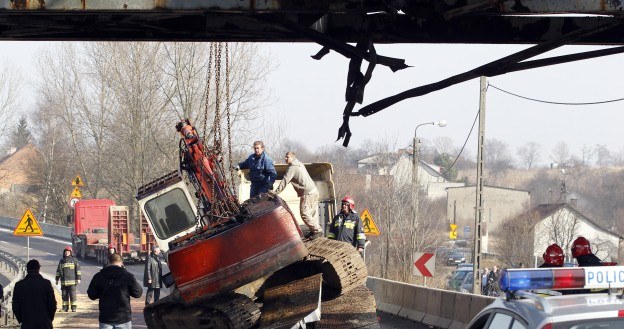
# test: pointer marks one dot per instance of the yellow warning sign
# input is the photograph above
(28, 225)
(453, 235)
(453, 232)
(77, 181)
(369, 226)
(76, 193)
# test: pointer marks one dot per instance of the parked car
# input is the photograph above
(458, 279)
(455, 257)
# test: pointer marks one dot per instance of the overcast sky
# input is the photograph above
(310, 95)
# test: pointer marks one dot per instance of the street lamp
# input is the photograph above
(415, 186)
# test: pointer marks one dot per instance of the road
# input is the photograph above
(48, 252)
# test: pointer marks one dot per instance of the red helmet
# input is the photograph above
(68, 248)
(580, 247)
(553, 255)
(350, 201)
(111, 246)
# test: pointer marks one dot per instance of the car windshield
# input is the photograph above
(459, 275)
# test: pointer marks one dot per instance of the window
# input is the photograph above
(170, 213)
(500, 321)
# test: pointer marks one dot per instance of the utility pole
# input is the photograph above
(476, 252)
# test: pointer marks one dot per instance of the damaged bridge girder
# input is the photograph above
(383, 21)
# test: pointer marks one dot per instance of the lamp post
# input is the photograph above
(415, 184)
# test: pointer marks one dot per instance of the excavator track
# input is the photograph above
(342, 265)
(230, 311)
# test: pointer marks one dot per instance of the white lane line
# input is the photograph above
(4, 242)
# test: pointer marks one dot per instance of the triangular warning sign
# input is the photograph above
(28, 225)
(369, 226)
(77, 181)
(76, 193)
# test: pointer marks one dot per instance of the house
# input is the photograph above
(399, 165)
(561, 223)
(18, 169)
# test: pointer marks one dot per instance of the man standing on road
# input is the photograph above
(306, 191)
(33, 302)
(262, 172)
(152, 277)
(113, 286)
(111, 250)
(68, 272)
(347, 225)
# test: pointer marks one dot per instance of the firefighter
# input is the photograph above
(68, 273)
(581, 250)
(347, 225)
(111, 250)
(553, 256)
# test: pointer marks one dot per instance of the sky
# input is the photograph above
(308, 95)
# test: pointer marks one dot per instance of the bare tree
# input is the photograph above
(587, 154)
(513, 241)
(603, 155)
(443, 145)
(529, 154)
(560, 153)
(10, 96)
(497, 156)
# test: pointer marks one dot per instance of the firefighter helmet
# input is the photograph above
(553, 255)
(68, 248)
(350, 201)
(111, 246)
(580, 247)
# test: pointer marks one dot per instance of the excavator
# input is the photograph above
(241, 265)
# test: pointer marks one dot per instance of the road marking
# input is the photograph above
(4, 242)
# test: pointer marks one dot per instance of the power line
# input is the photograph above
(463, 146)
(556, 103)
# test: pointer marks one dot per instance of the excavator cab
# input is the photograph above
(169, 208)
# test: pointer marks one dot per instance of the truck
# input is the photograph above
(97, 223)
(239, 264)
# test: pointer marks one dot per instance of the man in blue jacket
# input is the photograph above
(262, 172)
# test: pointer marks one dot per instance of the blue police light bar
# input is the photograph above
(601, 277)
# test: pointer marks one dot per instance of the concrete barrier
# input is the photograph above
(49, 230)
(17, 269)
(434, 307)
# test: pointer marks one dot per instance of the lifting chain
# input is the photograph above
(217, 120)
(227, 112)
(208, 78)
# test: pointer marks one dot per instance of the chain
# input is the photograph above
(208, 78)
(217, 120)
(227, 110)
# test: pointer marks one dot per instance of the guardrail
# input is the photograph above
(434, 307)
(17, 269)
(49, 230)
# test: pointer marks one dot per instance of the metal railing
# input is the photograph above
(16, 268)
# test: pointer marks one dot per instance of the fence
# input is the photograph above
(15, 268)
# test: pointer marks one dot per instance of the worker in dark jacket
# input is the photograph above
(111, 250)
(68, 273)
(113, 286)
(262, 172)
(553, 256)
(33, 302)
(152, 277)
(347, 225)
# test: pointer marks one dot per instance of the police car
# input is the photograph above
(531, 303)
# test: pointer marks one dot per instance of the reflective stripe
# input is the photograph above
(331, 236)
(361, 236)
(349, 225)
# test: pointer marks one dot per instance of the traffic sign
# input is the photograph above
(424, 264)
(369, 226)
(76, 193)
(77, 181)
(73, 201)
(453, 232)
(28, 225)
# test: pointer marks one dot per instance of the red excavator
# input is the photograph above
(236, 265)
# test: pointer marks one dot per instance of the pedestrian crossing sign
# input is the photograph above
(28, 225)
(369, 226)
